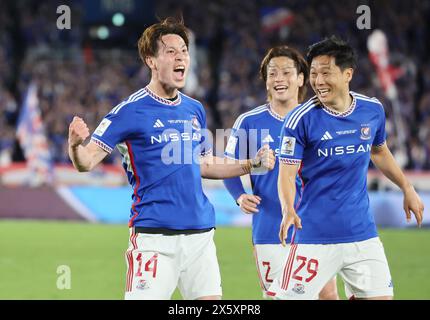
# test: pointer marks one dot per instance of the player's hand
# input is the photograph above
(265, 158)
(412, 202)
(78, 132)
(248, 203)
(289, 218)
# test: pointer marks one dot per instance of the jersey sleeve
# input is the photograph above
(234, 187)
(380, 135)
(237, 145)
(116, 126)
(206, 137)
(292, 141)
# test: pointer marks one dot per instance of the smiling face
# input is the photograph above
(328, 81)
(169, 66)
(283, 82)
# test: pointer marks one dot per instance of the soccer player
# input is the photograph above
(160, 133)
(285, 74)
(331, 138)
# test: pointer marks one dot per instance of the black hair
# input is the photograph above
(342, 52)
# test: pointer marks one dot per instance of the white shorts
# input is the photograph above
(362, 266)
(157, 264)
(269, 259)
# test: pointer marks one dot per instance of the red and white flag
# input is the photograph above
(33, 141)
(377, 45)
(275, 18)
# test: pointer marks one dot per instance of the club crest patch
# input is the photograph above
(195, 124)
(365, 133)
(299, 288)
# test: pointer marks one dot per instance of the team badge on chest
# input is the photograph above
(195, 124)
(365, 133)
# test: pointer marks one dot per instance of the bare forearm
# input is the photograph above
(84, 158)
(384, 161)
(287, 191)
(224, 168)
(80, 158)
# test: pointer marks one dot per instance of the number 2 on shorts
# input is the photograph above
(153, 261)
(267, 264)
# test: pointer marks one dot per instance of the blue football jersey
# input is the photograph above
(334, 152)
(158, 139)
(250, 132)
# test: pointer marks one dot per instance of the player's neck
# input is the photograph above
(283, 107)
(161, 90)
(341, 104)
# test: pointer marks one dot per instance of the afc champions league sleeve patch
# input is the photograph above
(101, 129)
(288, 145)
(231, 145)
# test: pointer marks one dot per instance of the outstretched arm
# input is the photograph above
(384, 161)
(222, 168)
(84, 158)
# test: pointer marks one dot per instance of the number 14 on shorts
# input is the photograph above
(150, 265)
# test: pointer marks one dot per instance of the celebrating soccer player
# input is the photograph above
(171, 220)
(331, 138)
(285, 73)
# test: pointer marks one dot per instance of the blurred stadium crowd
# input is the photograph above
(76, 77)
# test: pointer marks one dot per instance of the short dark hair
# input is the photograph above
(344, 55)
(299, 63)
(147, 44)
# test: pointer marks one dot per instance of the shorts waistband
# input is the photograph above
(169, 232)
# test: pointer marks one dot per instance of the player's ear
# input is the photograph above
(301, 79)
(348, 73)
(150, 62)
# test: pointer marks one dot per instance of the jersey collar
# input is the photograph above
(344, 113)
(162, 100)
(274, 114)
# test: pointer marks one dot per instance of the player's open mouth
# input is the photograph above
(179, 71)
(280, 89)
(323, 92)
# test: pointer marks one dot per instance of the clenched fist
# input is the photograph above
(265, 158)
(78, 132)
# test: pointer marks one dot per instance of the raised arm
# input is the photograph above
(384, 161)
(287, 194)
(84, 158)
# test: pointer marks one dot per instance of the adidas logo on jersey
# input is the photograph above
(158, 124)
(327, 136)
(268, 139)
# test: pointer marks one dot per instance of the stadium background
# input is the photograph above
(51, 216)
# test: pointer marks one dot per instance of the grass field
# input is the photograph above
(31, 252)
